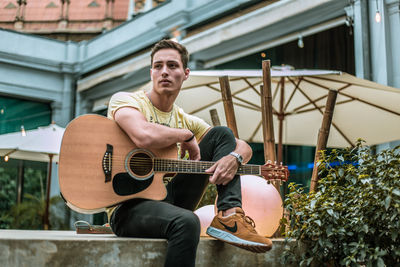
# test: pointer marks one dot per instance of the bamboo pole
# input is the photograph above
(214, 117)
(228, 104)
(323, 135)
(48, 187)
(267, 120)
(266, 111)
(281, 117)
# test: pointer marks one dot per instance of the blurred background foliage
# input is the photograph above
(28, 214)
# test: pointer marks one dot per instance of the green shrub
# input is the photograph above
(353, 219)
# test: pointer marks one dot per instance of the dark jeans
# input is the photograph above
(173, 218)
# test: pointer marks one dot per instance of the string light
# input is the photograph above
(300, 42)
(377, 15)
(6, 156)
(23, 132)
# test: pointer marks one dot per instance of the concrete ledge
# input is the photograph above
(66, 248)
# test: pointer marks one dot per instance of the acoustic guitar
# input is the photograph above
(100, 166)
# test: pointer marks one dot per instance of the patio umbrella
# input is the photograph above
(364, 109)
(41, 144)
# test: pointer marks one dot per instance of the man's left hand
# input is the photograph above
(223, 170)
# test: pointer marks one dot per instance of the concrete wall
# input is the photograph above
(65, 248)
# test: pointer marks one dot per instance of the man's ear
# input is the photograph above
(151, 74)
(187, 71)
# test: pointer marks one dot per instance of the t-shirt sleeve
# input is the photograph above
(120, 100)
(198, 126)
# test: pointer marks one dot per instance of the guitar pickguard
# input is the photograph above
(124, 185)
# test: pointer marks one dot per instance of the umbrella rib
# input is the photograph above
(323, 106)
(338, 81)
(333, 124)
(247, 102)
(255, 131)
(276, 91)
(371, 104)
(252, 86)
(248, 107)
(319, 98)
(207, 84)
(293, 92)
(213, 88)
(204, 107)
(198, 85)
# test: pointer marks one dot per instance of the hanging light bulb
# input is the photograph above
(377, 14)
(23, 133)
(6, 158)
(300, 42)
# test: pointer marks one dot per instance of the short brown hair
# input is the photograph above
(165, 44)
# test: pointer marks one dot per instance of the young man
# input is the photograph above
(153, 121)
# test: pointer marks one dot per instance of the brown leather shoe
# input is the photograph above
(238, 230)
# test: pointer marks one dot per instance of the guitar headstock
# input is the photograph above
(274, 172)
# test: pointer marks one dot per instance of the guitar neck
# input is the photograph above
(191, 166)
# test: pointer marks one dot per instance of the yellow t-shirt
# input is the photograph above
(177, 118)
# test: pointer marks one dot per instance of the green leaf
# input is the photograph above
(380, 262)
(388, 199)
(396, 192)
(341, 172)
(330, 212)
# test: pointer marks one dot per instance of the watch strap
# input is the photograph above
(238, 157)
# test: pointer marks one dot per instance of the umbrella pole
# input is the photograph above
(46, 212)
(228, 104)
(267, 121)
(281, 117)
(323, 135)
(20, 183)
(214, 117)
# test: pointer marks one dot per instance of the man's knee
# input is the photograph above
(221, 130)
(188, 226)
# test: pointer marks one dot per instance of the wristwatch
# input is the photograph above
(238, 157)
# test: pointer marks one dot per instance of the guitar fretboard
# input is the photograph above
(191, 166)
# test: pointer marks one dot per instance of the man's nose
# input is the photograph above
(164, 70)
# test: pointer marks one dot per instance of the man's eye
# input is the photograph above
(158, 66)
(172, 66)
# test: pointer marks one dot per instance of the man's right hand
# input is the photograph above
(192, 148)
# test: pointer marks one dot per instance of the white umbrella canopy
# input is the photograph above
(364, 109)
(41, 144)
(37, 145)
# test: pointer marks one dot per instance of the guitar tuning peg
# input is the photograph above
(281, 164)
(275, 162)
(269, 161)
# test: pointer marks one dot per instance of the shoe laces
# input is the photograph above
(250, 221)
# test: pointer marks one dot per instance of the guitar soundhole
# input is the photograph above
(141, 164)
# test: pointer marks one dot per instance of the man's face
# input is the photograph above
(167, 71)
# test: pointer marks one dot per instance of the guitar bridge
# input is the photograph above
(107, 163)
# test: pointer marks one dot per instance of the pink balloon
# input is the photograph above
(260, 201)
(205, 214)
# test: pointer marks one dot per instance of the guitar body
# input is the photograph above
(100, 166)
